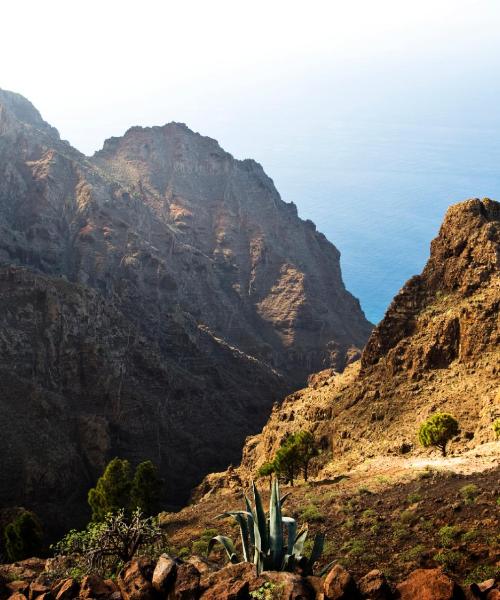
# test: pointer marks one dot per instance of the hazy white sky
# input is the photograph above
(94, 68)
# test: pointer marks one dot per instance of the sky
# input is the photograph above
(312, 90)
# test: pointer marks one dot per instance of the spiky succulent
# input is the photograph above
(263, 536)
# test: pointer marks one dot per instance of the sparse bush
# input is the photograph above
(496, 428)
(469, 493)
(471, 536)
(104, 546)
(23, 537)
(437, 431)
(407, 517)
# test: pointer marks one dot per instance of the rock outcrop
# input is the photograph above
(156, 299)
(437, 348)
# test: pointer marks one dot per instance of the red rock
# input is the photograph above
(65, 589)
(93, 586)
(164, 574)
(37, 589)
(17, 596)
(18, 586)
(134, 580)
(493, 595)
(428, 584)
(479, 589)
(339, 584)
(293, 586)
(187, 583)
(374, 586)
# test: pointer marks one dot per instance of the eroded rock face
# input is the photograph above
(437, 348)
(156, 299)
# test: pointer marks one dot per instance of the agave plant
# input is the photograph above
(263, 537)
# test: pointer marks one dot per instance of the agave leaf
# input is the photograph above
(288, 562)
(228, 545)
(250, 521)
(298, 546)
(319, 542)
(325, 570)
(284, 498)
(260, 525)
(234, 514)
(275, 526)
(291, 525)
(240, 516)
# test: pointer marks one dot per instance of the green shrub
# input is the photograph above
(414, 497)
(23, 537)
(482, 573)
(471, 536)
(407, 517)
(268, 591)
(469, 493)
(413, 553)
(448, 535)
(496, 428)
(449, 559)
(312, 514)
(437, 431)
(200, 546)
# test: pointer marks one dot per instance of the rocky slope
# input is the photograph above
(437, 348)
(156, 299)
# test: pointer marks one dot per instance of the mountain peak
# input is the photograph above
(24, 112)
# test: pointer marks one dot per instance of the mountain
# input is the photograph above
(437, 349)
(157, 298)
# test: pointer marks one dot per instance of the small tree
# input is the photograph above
(23, 537)
(437, 431)
(146, 488)
(307, 449)
(267, 470)
(287, 461)
(112, 491)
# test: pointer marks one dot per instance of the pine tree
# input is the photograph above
(23, 537)
(146, 488)
(112, 491)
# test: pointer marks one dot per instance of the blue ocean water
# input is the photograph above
(379, 192)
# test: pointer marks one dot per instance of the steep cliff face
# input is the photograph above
(437, 348)
(156, 300)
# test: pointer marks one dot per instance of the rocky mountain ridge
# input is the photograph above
(437, 348)
(157, 298)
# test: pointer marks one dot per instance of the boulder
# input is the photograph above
(37, 589)
(232, 582)
(428, 584)
(187, 583)
(493, 594)
(134, 580)
(18, 596)
(292, 586)
(18, 586)
(65, 589)
(481, 589)
(202, 564)
(164, 574)
(93, 586)
(339, 584)
(374, 586)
